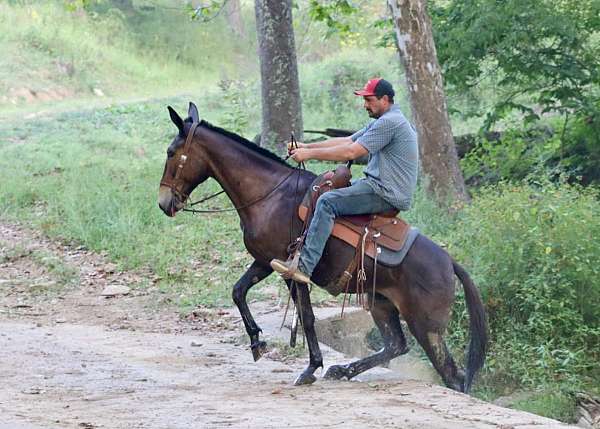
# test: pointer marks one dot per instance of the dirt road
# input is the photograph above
(70, 358)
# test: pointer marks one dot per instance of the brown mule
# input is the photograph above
(266, 192)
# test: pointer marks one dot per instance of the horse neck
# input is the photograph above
(244, 174)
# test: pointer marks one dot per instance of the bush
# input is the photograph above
(531, 250)
(514, 156)
(579, 155)
(566, 145)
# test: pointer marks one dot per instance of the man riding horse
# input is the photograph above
(265, 192)
(390, 175)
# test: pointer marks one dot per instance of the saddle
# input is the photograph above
(371, 231)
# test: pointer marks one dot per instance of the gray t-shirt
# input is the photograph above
(393, 157)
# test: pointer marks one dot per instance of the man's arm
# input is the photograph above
(340, 152)
(337, 141)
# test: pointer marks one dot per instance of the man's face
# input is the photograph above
(376, 107)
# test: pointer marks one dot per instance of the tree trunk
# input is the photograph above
(416, 47)
(234, 17)
(281, 104)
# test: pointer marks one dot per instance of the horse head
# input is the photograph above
(185, 167)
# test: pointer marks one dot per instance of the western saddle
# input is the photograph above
(366, 233)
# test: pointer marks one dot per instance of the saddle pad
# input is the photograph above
(393, 232)
(391, 258)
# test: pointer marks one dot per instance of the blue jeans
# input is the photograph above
(359, 198)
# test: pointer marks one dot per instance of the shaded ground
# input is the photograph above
(70, 358)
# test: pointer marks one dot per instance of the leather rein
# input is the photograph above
(176, 185)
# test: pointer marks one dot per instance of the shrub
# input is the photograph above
(579, 154)
(569, 145)
(531, 249)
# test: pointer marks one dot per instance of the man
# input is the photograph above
(390, 175)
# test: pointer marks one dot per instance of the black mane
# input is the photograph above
(239, 139)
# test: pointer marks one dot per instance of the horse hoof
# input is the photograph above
(305, 379)
(335, 372)
(259, 348)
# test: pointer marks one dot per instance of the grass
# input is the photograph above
(110, 55)
(92, 177)
(551, 403)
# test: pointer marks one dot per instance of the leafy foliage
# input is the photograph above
(546, 50)
(579, 154)
(569, 147)
(528, 248)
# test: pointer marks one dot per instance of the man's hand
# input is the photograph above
(300, 155)
(291, 146)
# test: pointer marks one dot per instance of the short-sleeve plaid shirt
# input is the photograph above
(393, 157)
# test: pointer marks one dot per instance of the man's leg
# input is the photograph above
(353, 200)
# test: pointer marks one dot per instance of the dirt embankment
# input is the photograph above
(71, 358)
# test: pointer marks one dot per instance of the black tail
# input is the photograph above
(477, 327)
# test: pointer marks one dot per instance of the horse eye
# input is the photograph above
(170, 153)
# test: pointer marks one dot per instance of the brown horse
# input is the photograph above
(266, 192)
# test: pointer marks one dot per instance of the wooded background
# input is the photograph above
(505, 96)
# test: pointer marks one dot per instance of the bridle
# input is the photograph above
(176, 184)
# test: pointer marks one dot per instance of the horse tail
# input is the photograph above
(477, 326)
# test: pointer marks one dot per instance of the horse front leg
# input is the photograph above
(252, 276)
(301, 297)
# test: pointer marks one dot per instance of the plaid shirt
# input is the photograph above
(393, 157)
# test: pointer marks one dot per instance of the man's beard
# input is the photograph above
(373, 114)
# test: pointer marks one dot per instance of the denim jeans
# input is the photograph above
(359, 198)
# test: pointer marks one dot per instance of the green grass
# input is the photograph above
(92, 177)
(551, 403)
(54, 56)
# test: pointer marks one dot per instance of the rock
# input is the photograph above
(32, 391)
(114, 290)
(587, 413)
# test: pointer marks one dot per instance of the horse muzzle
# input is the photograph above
(168, 202)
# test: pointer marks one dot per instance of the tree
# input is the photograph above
(540, 55)
(280, 89)
(417, 51)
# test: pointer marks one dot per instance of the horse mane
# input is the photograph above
(241, 140)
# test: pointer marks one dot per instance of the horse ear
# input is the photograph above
(193, 112)
(176, 119)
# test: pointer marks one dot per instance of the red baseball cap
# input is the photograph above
(376, 86)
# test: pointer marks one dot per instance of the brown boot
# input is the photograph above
(287, 271)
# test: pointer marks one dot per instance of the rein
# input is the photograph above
(243, 206)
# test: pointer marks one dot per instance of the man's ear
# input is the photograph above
(193, 112)
(176, 119)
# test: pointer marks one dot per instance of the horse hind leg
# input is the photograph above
(436, 349)
(387, 319)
